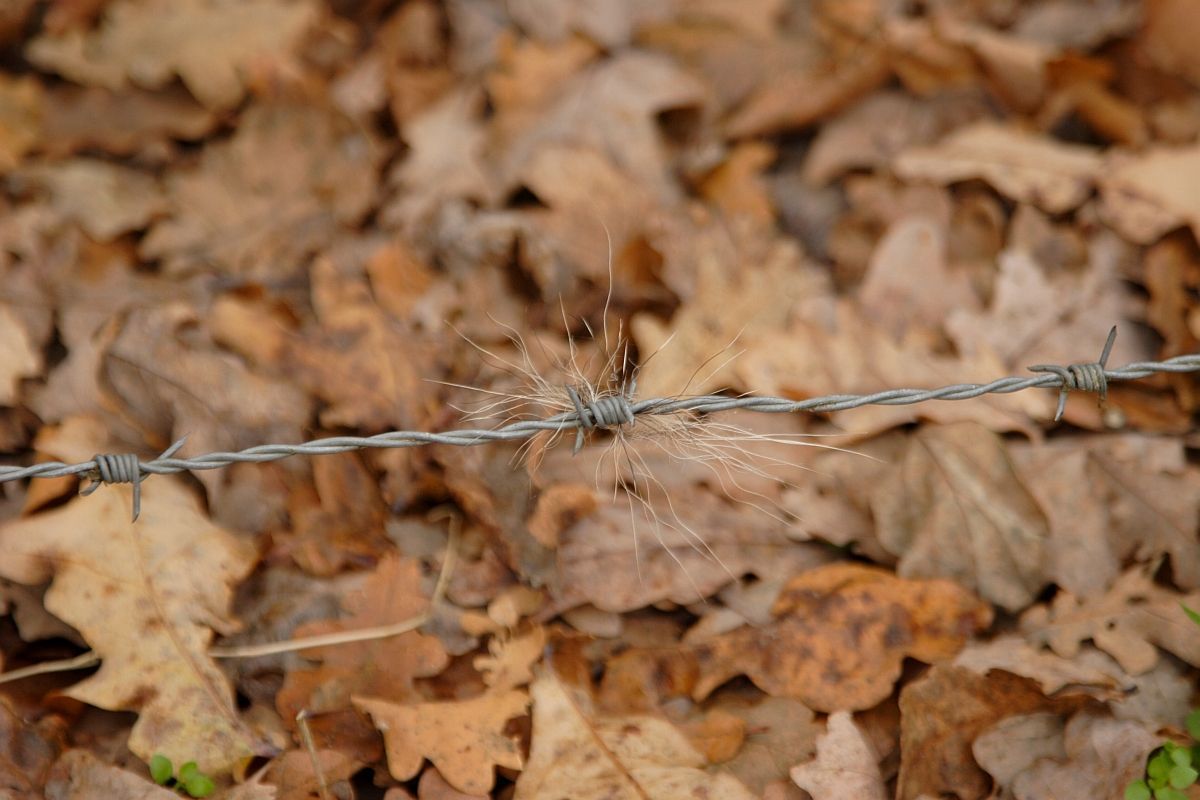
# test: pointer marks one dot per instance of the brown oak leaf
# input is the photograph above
(384, 669)
(464, 739)
(575, 753)
(1129, 622)
(147, 598)
(841, 634)
(207, 43)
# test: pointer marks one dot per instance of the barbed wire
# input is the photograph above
(1088, 376)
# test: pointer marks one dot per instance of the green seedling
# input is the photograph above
(1172, 768)
(189, 778)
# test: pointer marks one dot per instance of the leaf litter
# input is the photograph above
(276, 220)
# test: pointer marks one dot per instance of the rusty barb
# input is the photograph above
(606, 411)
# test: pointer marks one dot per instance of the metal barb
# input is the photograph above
(123, 468)
(607, 411)
(1085, 377)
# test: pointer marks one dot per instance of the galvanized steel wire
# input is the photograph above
(99, 469)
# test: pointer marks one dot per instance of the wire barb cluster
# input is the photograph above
(605, 412)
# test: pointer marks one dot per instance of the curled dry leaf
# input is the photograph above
(1129, 622)
(846, 766)
(1053, 176)
(146, 598)
(841, 634)
(464, 739)
(574, 753)
(207, 43)
(955, 508)
(1052, 672)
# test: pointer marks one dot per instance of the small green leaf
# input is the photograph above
(188, 771)
(1160, 764)
(1194, 616)
(1193, 723)
(1167, 793)
(1183, 777)
(161, 768)
(1181, 756)
(199, 785)
(1137, 790)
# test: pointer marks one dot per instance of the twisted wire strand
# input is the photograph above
(621, 411)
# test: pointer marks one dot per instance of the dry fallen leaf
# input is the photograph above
(106, 200)
(383, 669)
(1111, 499)
(779, 733)
(1103, 756)
(80, 775)
(1127, 622)
(955, 508)
(846, 766)
(576, 754)
(147, 598)
(19, 358)
(208, 43)
(464, 739)
(941, 716)
(20, 115)
(1145, 195)
(730, 308)
(619, 563)
(841, 635)
(1025, 167)
(280, 188)
(855, 356)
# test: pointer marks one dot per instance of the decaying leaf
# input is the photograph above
(943, 713)
(576, 754)
(841, 634)
(147, 598)
(207, 43)
(1128, 622)
(1025, 167)
(463, 739)
(955, 508)
(846, 765)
